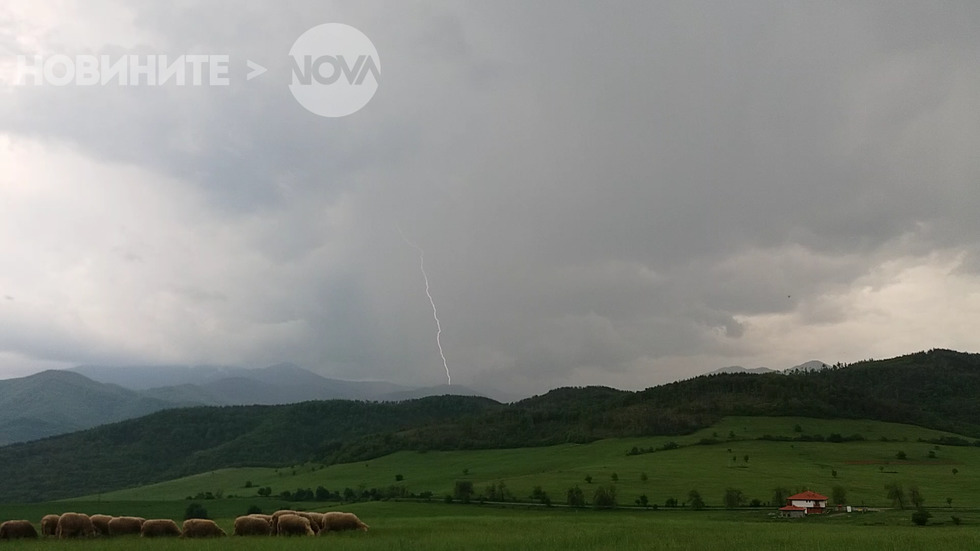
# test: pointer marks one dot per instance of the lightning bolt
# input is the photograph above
(435, 313)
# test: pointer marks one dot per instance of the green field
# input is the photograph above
(437, 526)
(862, 468)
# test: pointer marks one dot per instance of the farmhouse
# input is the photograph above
(804, 503)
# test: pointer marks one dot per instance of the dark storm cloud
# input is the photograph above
(598, 191)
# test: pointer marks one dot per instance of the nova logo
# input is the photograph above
(335, 70)
(313, 69)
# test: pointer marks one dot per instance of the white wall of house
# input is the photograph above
(809, 503)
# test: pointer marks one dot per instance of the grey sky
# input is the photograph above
(620, 194)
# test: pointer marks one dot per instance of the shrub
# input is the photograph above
(195, 510)
(575, 497)
(920, 517)
(253, 510)
(399, 478)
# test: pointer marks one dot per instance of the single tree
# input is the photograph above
(840, 495)
(733, 498)
(896, 494)
(779, 496)
(615, 477)
(643, 477)
(604, 498)
(575, 497)
(949, 502)
(916, 498)
(900, 456)
(694, 498)
(643, 500)
(588, 479)
(463, 490)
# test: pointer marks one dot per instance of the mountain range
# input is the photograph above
(938, 389)
(60, 401)
(812, 365)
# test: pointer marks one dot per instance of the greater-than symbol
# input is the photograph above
(254, 69)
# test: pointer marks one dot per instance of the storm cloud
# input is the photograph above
(621, 195)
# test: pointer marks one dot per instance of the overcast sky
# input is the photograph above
(606, 193)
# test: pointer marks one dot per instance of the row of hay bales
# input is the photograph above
(282, 523)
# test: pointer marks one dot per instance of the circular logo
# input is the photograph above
(335, 70)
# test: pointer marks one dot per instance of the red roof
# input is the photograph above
(809, 496)
(792, 508)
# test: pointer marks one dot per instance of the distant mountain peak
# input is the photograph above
(812, 365)
(740, 369)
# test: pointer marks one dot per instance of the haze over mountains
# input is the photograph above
(60, 401)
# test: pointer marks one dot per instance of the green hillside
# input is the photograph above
(57, 402)
(862, 467)
(938, 389)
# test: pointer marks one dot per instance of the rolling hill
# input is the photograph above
(753, 454)
(57, 402)
(938, 389)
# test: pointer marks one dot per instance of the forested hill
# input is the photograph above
(938, 389)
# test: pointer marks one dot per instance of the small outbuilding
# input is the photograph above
(792, 511)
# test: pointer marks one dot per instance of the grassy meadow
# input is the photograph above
(438, 526)
(862, 468)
